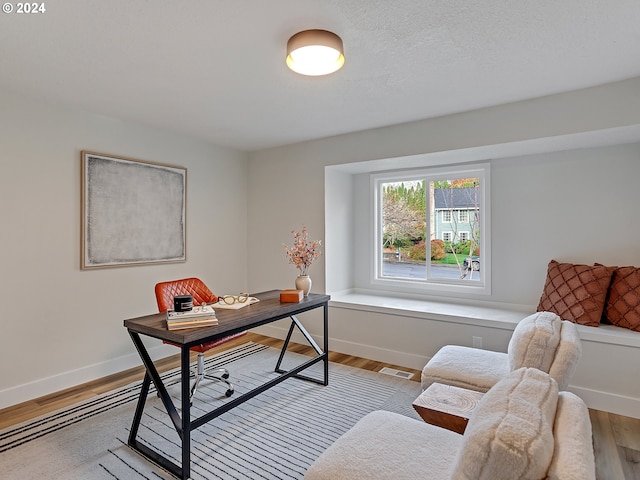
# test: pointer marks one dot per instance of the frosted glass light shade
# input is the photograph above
(315, 52)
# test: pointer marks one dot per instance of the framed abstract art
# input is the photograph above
(133, 212)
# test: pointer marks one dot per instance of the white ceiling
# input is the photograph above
(215, 70)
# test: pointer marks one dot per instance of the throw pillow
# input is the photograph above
(623, 304)
(576, 292)
(510, 434)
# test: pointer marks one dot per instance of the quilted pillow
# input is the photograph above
(510, 434)
(623, 304)
(576, 292)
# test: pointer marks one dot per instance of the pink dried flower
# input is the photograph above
(303, 252)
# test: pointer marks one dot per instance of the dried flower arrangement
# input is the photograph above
(303, 252)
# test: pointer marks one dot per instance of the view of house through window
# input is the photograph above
(430, 228)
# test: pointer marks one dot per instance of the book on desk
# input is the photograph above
(204, 316)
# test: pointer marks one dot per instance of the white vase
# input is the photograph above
(303, 282)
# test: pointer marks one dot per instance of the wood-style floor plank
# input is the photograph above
(630, 460)
(616, 438)
(608, 464)
(626, 431)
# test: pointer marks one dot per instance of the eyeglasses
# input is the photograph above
(231, 299)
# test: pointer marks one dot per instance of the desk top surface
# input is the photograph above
(267, 310)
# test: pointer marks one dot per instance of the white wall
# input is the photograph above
(62, 326)
(564, 170)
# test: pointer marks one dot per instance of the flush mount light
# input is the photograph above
(315, 52)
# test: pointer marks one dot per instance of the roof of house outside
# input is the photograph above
(457, 198)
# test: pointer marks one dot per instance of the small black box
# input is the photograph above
(182, 303)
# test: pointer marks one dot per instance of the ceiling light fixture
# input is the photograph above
(315, 52)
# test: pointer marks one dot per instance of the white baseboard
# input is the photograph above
(402, 359)
(608, 402)
(598, 400)
(45, 386)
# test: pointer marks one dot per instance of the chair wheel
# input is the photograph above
(225, 375)
(228, 393)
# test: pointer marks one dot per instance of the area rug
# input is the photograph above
(275, 435)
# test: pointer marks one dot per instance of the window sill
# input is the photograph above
(502, 316)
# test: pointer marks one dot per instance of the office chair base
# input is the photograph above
(219, 375)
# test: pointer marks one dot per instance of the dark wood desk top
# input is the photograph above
(267, 310)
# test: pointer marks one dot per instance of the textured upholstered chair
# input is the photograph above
(523, 427)
(542, 340)
(165, 291)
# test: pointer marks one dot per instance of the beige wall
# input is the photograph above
(60, 325)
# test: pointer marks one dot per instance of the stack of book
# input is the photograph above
(204, 316)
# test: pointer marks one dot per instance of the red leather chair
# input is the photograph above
(165, 291)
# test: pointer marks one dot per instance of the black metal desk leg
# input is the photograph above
(186, 414)
(326, 343)
(144, 391)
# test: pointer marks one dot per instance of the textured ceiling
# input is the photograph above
(215, 69)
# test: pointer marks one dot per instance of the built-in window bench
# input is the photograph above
(408, 331)
(496, 315)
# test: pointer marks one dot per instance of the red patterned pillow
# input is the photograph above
(576, 292)
(623, 304)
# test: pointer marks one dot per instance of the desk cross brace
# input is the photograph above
(296, 323)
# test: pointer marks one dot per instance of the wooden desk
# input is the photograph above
(267, 310)
(447, 406)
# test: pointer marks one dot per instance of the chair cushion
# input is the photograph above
(573, 457)
(576, 292)
(510, 432)
(214, 343)
(465, 367)
(534, 341)
(388, 446)
(623, 303)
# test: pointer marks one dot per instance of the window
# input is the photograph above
(435, 222)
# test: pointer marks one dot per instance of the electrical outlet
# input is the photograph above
(477, 342)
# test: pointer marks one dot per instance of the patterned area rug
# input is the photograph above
(275, 435)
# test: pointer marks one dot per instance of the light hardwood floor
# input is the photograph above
(616, 439)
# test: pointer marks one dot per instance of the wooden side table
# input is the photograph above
(447, 406)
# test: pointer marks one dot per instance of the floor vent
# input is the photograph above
(396, 373)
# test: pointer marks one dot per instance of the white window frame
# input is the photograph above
(463, 220)
(446, 213)
(447, 287)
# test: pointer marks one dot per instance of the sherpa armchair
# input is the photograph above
(542, 340)
(522, 428)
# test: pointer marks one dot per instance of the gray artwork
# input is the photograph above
(133, 212)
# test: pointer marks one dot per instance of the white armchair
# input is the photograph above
(542, 340)
(522, 428)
